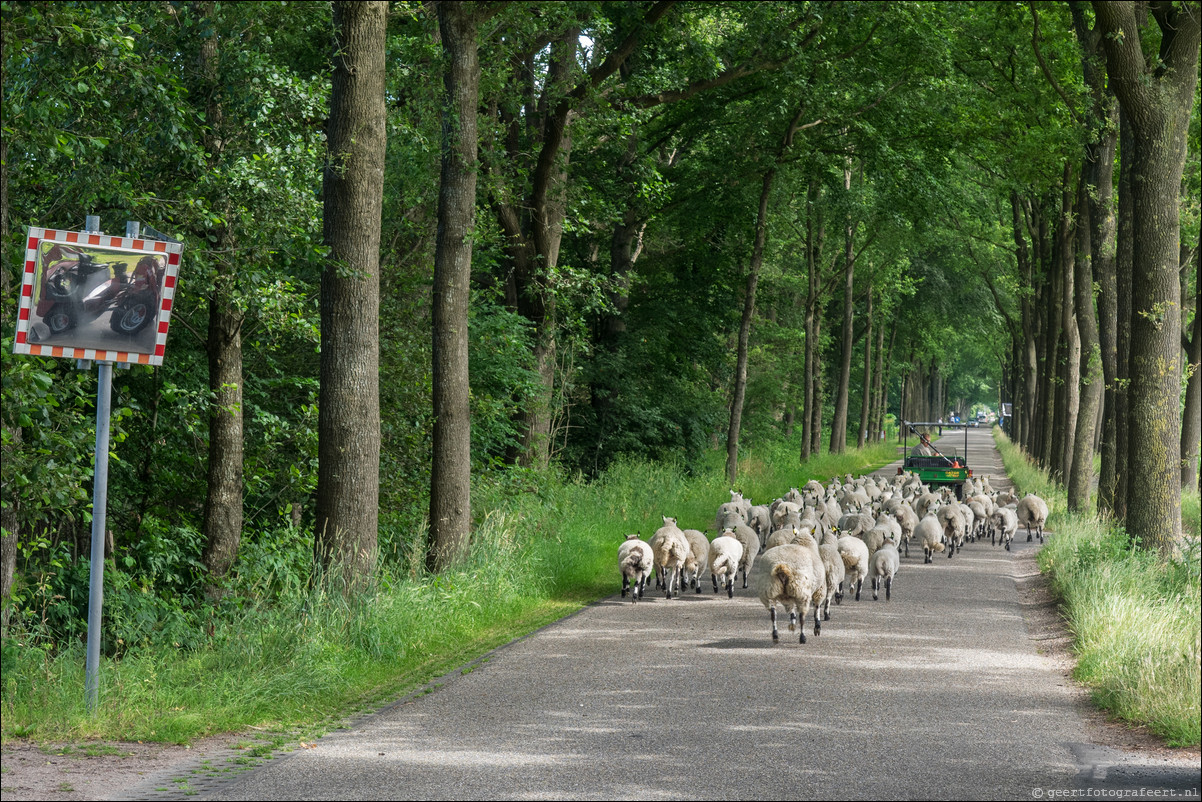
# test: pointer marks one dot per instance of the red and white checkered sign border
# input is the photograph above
(36, 236)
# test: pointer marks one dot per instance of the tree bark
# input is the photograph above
(450, 476)
(348, 476)
(1158, 101)
(1090, 356)
(1067, 412)
(1191, 428)
(865, 401)
(839, 424)
(1099, 172)
(222, 518)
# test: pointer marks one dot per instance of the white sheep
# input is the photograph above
(788, 575)
(855, 560)
(836, 571)
(930, 535)
(952, 519)
(1032, 511)
(1005, 524)
(724, 555)
(884, 567)
(670, 548)
(751, 545)
(698, 559)
(635, 561)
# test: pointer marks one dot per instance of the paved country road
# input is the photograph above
(941, 693)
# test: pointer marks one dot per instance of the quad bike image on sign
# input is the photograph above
(78, 289)
(94, 293)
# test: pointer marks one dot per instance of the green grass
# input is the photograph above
(302, 661)
(1134, 615)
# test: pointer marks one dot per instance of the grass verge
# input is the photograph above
(281, 663)
(1134, 616)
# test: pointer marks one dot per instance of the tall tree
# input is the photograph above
(349, 417)
(1157, 93)
(450, 476)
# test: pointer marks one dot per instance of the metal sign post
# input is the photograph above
(68, 308)
(100, 495)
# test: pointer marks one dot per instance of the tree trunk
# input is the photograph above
(450, 475)
(1124, 277)
(1090, 356)
(813, 311)
(348, 478)
(1191, 429)
(221, 523)
(865, 401)
(1071, 367)
(1099, 173)
(839, 424)
(1158, 101)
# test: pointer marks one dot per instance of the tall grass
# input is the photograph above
(1134, 615)
(285, 657)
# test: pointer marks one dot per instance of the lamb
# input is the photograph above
(670, 548)
(855, 560)
(1032, 511)
(725, 552)
(930, 535)
(635, 561)
(698, 559)
(787, 574)
(1005, 523)
(884, 567)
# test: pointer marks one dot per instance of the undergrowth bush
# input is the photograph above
(1134, 615)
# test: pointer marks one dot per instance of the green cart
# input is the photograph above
(934, 467)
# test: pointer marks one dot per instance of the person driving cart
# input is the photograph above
(924, 447)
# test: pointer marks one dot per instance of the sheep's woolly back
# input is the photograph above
(786, 574)
(886, 561)
(724, 555)
(699, 550)
(635, 557)
(1032, 510)
(929, 533)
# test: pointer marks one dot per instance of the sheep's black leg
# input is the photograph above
(775, 634)
(792, 620)
(859, 587)
(730, 586)
(714, 579)
(875, 581)
(888, 587)
(625, 584)
(817, 624)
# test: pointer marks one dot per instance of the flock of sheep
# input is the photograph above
(802, 549)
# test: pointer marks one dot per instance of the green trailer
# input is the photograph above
(934, 467)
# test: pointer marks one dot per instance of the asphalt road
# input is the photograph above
(940, 693)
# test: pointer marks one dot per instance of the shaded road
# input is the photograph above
(940, 693)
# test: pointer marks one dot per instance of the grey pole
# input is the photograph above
(100, 487)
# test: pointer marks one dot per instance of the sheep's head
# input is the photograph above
(668, 521)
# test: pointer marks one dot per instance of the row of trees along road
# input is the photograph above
(432, 241)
